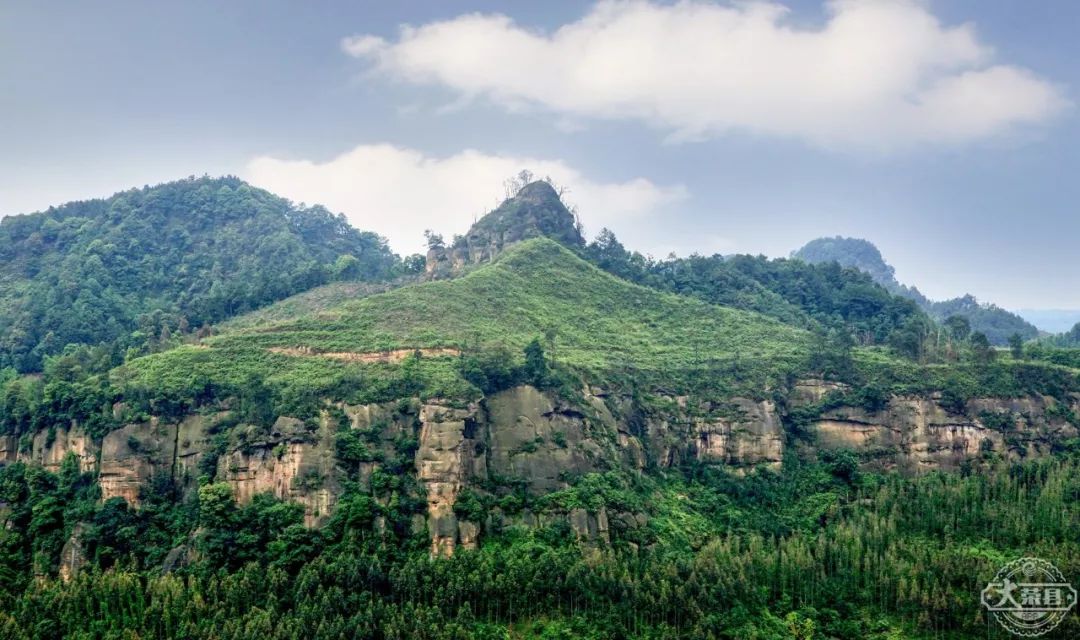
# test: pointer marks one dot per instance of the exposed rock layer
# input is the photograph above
(541, 442)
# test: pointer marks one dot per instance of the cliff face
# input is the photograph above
(292, 461)
(49, 447)
(741, 434)
(527, 438)
(131, 456)
(536, 211)
(915, 434)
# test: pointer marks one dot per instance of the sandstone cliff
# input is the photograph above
(540, 443)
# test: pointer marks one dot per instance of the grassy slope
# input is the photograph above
(602, 325)
(312, 301)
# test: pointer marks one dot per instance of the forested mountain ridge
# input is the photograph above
(170, 258)
(822, 297)
(991, 320)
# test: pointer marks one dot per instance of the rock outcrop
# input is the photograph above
(918, 433)
(73, 554)
(50, 446)
(131, 455)
(752, 436)
(541, 441)
(520, 437)
(535, 211)
(9, 449)
(292, 462)
(445, 460)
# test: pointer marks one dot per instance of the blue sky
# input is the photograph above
(945, 132)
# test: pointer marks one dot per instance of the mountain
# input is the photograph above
(172, 257)
(996, 323)
(537, 438)
(851, 252)
(813, 297)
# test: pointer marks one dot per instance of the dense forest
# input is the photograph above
(821, 550)
(170, 258)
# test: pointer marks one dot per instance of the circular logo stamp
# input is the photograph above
(1029, 597)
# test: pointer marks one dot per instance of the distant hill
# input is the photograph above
(997, 323)
(813, 296)
(852, 252)
(171, 257)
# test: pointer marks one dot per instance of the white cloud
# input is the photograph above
(878, 74)
(400, 192)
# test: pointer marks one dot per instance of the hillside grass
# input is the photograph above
(592, 323)
(598, 321)
(317, 300)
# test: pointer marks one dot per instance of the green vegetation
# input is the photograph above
(996, 323)
(855, 253)
(820, 547)
(821, 297)
(152, 263)
(313, 301)
(589, 325)
(1068, 339)
(599, 328)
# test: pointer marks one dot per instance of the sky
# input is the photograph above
(946, 132)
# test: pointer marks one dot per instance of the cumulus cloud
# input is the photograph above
(878, 74)
(399, 192)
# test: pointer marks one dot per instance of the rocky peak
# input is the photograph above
(534, 211)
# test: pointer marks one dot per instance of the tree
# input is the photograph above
(959, 327)
(798, 627)
(201, 249)
(346, 267)
(414, 263)
(256, 402)
(831, 355)
(434, 240)
(515, 184)
(981, 349)
(551, 333)
(1016, 346)
(908, 339)
(536, 367)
